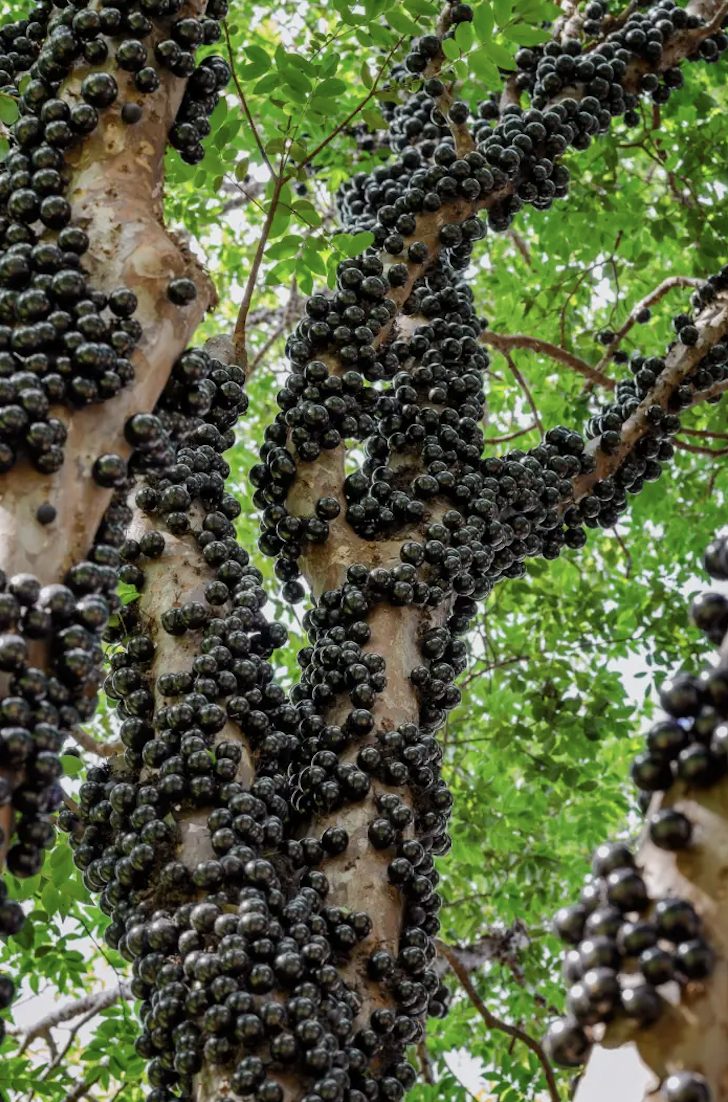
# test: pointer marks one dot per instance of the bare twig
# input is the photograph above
(697, 449)
(93, 1004)
(625, 551)
(82, 1088)
(502, 341)
(710, 394)
(289, 316)
(704, 434)
(524, 387)
(88, 742)
(510, 435)
(521, 244)
(493, 1022)
(500, 944)
(239, 341)
(425, 1064)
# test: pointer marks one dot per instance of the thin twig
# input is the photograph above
(239, 342)
(93, 1003)
(82, 1088)
(510, 435)
(625, 551)
(243, 100)
(501, 341)
(493, 1022)
(524, 387)
(88, 742)
(704, 434)
(521, 245)
(696, 449)
(290, 314)
(710, 394)
(425, 1064)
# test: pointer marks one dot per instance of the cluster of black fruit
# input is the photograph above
(468, 520)
(575, 92)
(237, 954)
(50, 658)
(625, 945)
(411, 392)
(62, 341)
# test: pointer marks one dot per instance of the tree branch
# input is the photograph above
(696, 449)
(518, 376)
(712, 326)
(649, 300)
(493, 1022)
(510, 435)
(89, 1004)
(94, 746)
(239, 342)
(503, 341)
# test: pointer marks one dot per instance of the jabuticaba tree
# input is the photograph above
(267, 860)
(281, 922)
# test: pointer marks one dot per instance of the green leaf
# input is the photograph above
(464, 36)
(482, 67)
(285, 247)
(51, 898)
(450, 48)
(126, 592)
(307, 212)
(401, 22)
(524, 35)
(73, 766)
(259, 62)
(8, 108)
(502, 57)
(332, 87)
(502, 11)
(483, 21)
(352, 244)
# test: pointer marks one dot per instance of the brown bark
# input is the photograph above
(712, 324)
(116, 193)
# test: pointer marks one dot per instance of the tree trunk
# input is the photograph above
(691, 1034)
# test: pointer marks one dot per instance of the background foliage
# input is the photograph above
(563, 661)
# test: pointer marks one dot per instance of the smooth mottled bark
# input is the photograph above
(692, 1033)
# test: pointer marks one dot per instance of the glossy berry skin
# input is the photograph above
(670, 829)
(569, 924)
(642, 1003)
(567, 1044)
(686, 1086)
